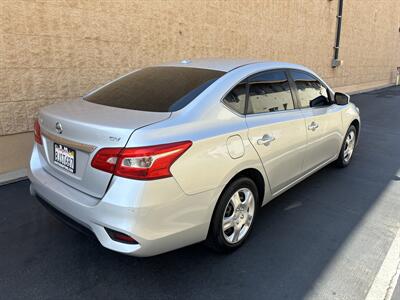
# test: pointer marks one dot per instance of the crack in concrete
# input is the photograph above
(393, 282)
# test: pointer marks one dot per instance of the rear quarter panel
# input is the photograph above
(207, 164)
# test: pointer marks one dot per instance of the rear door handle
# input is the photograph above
(313, 126)
(265, 140)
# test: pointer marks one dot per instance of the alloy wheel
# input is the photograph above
(238, 216)
(349, 146)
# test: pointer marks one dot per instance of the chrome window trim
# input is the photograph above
(273, 112)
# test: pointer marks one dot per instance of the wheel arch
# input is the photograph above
(254, 175)
(356, 124)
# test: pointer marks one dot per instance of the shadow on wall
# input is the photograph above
(295, 237)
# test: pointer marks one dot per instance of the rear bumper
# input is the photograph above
(157, 214)
(63, 218)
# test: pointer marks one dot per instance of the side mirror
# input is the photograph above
(342, 98)
(319, 101)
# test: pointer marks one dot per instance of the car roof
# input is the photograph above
(218, 64)
(226, 65)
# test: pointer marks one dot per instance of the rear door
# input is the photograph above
(322, 117)
(276, 128)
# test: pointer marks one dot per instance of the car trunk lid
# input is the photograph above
(79, 129)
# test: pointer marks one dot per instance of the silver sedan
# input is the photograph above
(179, 153)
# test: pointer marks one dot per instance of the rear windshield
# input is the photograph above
(157, 89)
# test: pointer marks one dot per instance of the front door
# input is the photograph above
(322, 117)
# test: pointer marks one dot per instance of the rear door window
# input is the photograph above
(156, 89)
(269, 92)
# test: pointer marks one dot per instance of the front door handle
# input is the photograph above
(265, 140)
(313, 126)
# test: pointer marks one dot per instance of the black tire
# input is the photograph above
(342, 161)
(215, 239)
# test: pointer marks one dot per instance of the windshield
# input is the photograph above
(157, 89)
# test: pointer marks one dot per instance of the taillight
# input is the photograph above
(37, 133)
(106, 159)
(143, 163)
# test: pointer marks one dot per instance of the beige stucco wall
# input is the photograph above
(15, 150)
(59, 49)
